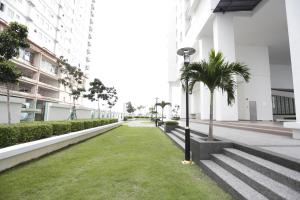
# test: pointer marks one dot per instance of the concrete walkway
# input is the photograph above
(140, 123)
(279, 144)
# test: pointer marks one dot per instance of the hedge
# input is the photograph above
(31, 131)
(171, 123)
(59, 127)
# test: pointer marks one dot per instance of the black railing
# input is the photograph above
(283, 105)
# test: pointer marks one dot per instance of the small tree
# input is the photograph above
(73, 79)
(141, 107)
(175, 110)
(215, 73)
(129, 108)
(152, 112)
(97, 92)
(163, 104)
(12, 38)
(112, 97)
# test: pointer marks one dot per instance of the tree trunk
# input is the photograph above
(211, 116)
(98, 109)
(73, 115)
(162, 115)
(8, 105)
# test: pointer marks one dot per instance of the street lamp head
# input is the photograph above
(186, 52)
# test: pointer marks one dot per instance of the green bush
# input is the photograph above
(31, 131)
(96, 122)
(60, 127)
(77, 125)
(125, 118)
(8, 135)
(171, 123)
(88, 124)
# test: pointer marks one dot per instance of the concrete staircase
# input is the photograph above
(245, 175)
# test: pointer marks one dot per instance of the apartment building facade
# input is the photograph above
(56, 28)
(263, 34)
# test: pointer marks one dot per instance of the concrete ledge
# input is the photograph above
(14, 155)
(202, 150)
(296, 128)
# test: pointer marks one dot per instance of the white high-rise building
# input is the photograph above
(263, 34)
(61, 27)
(56, 28)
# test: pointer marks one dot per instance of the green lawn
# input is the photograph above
(126, 163)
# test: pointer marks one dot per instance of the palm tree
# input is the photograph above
(163, 104)
(215, 73)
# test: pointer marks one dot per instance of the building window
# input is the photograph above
(2, 7)
(10, 13)
(49, 67)
(26, 56)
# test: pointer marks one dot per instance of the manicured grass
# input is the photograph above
(125, 163)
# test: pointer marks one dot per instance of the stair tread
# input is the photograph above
(177, 140)
(237, 184)
(180, 136)
(292, 174)
(192, 134)
(269, 183)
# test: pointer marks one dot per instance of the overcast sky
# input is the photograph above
(129, 49)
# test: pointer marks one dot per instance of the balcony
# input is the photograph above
(236, 5)
(48, 87)
(25, 79)
(45, 93)
(24, 90)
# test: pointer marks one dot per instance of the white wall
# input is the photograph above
(281, 76)
(259, 87)
(15, 109)
(62, 112)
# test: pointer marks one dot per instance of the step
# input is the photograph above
(179, 142)
(275, 171)
(263, 184)
(192, 134)
(180, 136)
(235, 186)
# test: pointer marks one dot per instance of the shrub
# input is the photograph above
(175, 118)
(60, 127)
(8, 135)
(29, 132)
(77, 125)
(125, 118)
(171, 123)
(96, 122)
(88, 124)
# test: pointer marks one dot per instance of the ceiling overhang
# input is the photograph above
(236, 5)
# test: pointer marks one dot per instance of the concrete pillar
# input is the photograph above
(195, 101)
(223, 31)
(258, 89)
(293, 16)
(205, 46)
(182, 103)
(169, 116)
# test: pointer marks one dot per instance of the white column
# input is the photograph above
(171, 101)
(205, 46)
(223, 30)
(182, 103)
(293, 16)
(195, 101)
(259, 87)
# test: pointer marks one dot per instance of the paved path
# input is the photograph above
(284, 145)
(140, 123)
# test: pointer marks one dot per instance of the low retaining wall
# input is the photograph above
(14, 155)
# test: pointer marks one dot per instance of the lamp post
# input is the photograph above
(156, 101)
(186, 53)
